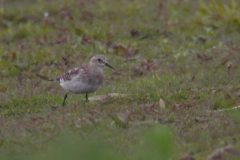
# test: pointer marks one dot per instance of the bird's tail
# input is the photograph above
(48, 79)
(44, 77)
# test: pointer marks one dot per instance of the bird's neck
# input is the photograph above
(96, 70)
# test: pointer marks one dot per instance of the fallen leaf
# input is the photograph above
(93, 112)
(36, 84)
(118, 121)
(156, 111)
(165, 99)
(201, 39)
(161, 104)
(219, 153)
(42, 77)
(104, 97)
(134, 33)
(43, 70)
(86, 39)
(204, 56)
(93, 119)
(128, 51)
(20, 66)
(215, 91)
(124, 116)
(28, 74)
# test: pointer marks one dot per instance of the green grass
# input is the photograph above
(184, 52)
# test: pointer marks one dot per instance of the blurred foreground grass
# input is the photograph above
(156, 145)
(185, 53)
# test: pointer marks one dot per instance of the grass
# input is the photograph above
(183, 52)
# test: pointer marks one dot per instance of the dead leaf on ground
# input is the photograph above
(42, 77)
(165, 99)
(104, 97)
(204, 56)
(20, 66)
(118, 121)
(216, 90)
(144, 67)
(93, 120)
(220, 152)
(134, 33)
(202, 39)
(92, 112)
(43, 70)
(129, 52)
(161, 104)
(29, 74)
(87, 40)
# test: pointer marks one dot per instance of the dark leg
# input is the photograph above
(86, 98)
(65, 98)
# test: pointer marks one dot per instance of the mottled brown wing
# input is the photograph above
(68, 76)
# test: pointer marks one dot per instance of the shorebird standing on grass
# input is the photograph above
(84, 79)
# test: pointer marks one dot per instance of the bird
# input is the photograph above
(84, 79)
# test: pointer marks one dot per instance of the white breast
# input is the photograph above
(78, 87)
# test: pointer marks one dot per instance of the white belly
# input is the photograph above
(78, 87)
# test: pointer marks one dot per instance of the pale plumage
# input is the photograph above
(84, 79)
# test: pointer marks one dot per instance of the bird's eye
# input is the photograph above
(99, 60)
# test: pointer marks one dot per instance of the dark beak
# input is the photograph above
(109, 66)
